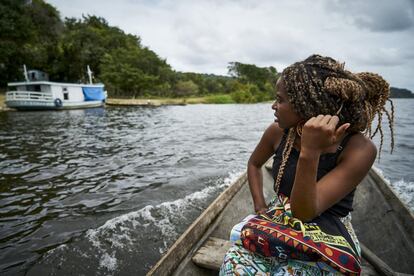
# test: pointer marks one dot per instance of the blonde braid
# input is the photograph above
(381, 143)
(391, 125)
(370, 117)
(285, 156)
(378, 125)
(379, 128)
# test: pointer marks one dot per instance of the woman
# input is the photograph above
(322, 147)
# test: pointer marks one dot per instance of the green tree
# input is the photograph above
(133, 72)
(84, 42)
(29, 34)
(186, 88)
(244, 94)
(250, 73)
(263, 79)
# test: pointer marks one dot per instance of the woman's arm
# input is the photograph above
(263, 151)
(310, 198)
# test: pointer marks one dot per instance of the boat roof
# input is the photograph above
(54, 83)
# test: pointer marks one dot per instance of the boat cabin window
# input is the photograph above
(65, 93)
(35, 88)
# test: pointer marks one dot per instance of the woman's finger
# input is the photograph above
(333, 122)
(311, 120)
(341, 130)
(319, 118)
(325, 120)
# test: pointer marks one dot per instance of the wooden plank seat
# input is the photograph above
(211, 254)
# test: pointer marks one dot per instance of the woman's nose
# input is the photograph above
(274, 105)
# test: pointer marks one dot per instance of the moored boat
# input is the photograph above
(384, 225)
(38, 93)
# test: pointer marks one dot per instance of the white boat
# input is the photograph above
(37, 93)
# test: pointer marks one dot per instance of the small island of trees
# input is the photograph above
(400, 93)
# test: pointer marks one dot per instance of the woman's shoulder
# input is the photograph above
(359, 145)
(273, 134)
(360, 140)
(275, 129)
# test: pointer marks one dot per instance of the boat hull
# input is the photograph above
(50, 105)
(45, 95)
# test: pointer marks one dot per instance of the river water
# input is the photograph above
(107, 191)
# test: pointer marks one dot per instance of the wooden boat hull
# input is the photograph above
(383, 224)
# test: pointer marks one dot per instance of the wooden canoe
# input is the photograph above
(383, 224)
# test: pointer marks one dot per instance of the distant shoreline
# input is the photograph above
(211, 99)
(144, 102)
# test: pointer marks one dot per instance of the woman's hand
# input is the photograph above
(319, 133)
(260, 210)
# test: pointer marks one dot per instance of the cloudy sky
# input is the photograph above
(204, 36)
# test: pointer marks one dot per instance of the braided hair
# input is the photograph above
(321, 85)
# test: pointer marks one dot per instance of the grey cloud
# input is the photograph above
(377, 59)
(267, 52)
(376, 15)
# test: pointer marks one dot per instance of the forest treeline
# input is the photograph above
(400, 93)
(33, 33)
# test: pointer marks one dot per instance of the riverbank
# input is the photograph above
(144, 102)
(3, 102)
(211, 99)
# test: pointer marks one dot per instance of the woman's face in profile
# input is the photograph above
(285, 115)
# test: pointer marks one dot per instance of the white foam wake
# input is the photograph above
(161, 219)
(403, 189)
